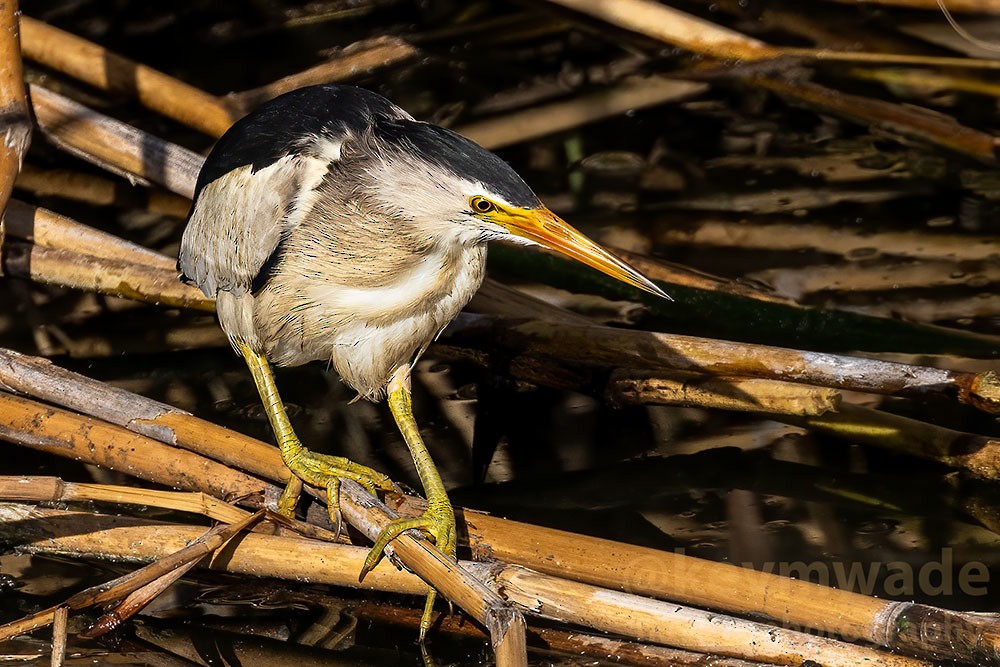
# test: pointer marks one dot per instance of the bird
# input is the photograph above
(329, 224)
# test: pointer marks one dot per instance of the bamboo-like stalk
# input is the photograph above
(189, 554)
(548, 596)
(675, 27)
(978, 454)
(13, 103)
(47, 229)
(792, 236)
(650, 350)
(916, 629)
(97, 190)
(69, 435)
(359, 58)
(675, 625)
(106, 70)
(742, 394)
(894, 119)
(633, 93)
(113, 145)
(554, 639)
(39, 378)
(671, 576)
(66, 268)
(53, 489)
(800, 282)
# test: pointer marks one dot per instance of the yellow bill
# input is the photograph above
(546, 228)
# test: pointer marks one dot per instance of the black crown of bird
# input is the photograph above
(331, 225)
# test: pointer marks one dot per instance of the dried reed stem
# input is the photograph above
(113, 145)
(47, 229)
(606, 346)
(106, 70)
(725, 393)
(920, 630)
(633, 93)
(673, 26)
(14, 116)
(41, 379)
(121, 587)
(355, 60)
(674, 625)
(548, 596)
(98, 190)
(54, 431)
(53, 489)
(104, 276)
(506, 626)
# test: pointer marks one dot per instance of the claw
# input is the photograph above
(333, 505)
(438, 522)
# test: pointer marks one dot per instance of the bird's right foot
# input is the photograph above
(326, 471)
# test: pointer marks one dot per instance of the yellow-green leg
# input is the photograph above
(317, 469)
(438, 520)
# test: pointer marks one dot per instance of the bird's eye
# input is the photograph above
(482, 205)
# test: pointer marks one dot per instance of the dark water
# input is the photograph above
(720, 485)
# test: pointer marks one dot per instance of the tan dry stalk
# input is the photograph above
(666, 24)
(552, 639)
(606, 346)
(60, 634)
(920, 630)
(633, 93)
(67, 434)
(205, 543)
(16, 122)
(360, 58)
(846, 242)
(53, 489)
(581, 604)
(732, 393)
(41, 379)
(98, 190)
(506, 626)
(145, 540)
(979, 454)
(683, 627)
(126, 279)
(47, 229)
(106, 70)
(908, 121)
(113, 145)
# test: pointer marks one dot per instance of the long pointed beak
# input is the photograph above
(546, 228)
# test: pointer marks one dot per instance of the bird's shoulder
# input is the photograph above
(296, 122)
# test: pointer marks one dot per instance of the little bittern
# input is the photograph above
(329, 224)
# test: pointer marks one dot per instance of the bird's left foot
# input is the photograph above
(437, 521)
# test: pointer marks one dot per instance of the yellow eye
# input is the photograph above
(482, 205)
